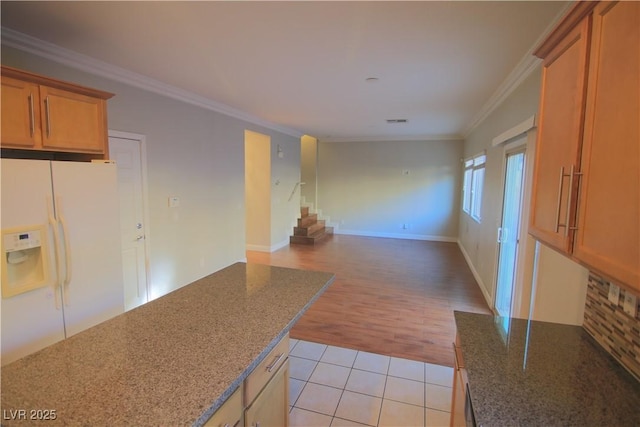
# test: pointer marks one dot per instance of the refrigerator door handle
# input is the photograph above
(53, 222)
(67, 250)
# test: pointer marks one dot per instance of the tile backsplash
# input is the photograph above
(615, 330)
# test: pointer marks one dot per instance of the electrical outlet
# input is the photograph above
(630, 304)
(614, 294)
(406, 172)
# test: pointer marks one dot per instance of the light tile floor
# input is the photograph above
(339, 387)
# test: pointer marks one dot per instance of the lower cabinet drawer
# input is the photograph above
(265, 370)
(271, 407)
(230, 413)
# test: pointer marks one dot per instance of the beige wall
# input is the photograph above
(257, 152)
(560, 289)
(363, 188)
(285, 204)
(308, 172)
(558, 278)
(197, 155)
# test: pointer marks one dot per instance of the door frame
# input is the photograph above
(522, 134)
(142, 140)
(518, 146)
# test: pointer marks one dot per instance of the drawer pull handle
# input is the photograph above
(457, 359)
(562, 175)
(32, 118)
(48, 114)
(274, 363)
(568, 217)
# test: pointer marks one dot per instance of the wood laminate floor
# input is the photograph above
(391, 296)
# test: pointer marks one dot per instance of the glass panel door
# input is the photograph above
(508, 233)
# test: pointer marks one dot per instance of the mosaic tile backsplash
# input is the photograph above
(615, 330)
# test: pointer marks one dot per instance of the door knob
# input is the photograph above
(140, 237)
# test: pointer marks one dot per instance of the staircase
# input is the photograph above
(309, 230)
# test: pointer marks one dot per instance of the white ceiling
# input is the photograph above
(302, 65)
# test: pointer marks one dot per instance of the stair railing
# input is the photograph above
(295, 187)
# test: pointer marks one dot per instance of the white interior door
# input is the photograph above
(509, 232)
(127, 154)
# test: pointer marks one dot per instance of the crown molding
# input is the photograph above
(523, 70)
(378, 138)
(94, 66)
(527, 65)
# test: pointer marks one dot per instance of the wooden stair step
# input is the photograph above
(309, 240)
(307, 220)
(304, 211)
(307, 231)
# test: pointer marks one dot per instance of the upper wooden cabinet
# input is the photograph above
(20, 113)
(559, 138)
(39, 113)
(586, 190)
(608, 223)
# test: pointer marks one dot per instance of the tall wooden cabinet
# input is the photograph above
(44, 114)
(586, 190)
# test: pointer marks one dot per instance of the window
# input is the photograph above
(472, 186)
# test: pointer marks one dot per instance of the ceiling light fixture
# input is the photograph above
(371, 79)
(397, 120)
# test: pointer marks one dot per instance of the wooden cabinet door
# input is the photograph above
(271, 407)
(608, 225)
(229, 414)
(20, 114)
(458, 391)
(553, 202)
(72, 122)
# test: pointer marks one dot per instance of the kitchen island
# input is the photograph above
(523, 373)
(173, 361)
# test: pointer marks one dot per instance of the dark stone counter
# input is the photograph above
(534, 373)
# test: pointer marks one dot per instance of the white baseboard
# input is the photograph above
(396, 235)
(264, 248)
(258, 248)
(476, 275)
(279, 245)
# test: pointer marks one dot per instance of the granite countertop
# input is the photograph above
(543, 374)
(172, 361)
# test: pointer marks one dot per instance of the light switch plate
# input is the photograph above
(174, 202)
(614, 293)
(630, 304)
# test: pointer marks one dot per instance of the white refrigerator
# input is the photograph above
(76, 207)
